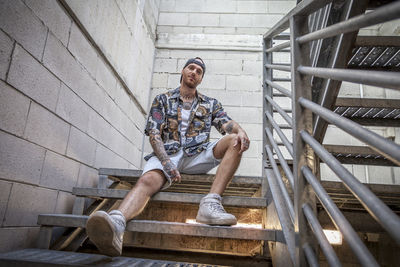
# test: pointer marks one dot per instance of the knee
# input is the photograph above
(149, 181)
(233, 140)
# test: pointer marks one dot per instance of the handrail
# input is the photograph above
(282, 187)
(283, 137)
(382, 14)
(382, 214)
(310, 255)
(278, 67)
(330, 254)
(278, 47)
(388, 148)
(352, 238)
(368, 77)
(284, 115)
(281, 89)
(282, 160)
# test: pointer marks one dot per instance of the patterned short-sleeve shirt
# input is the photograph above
(165, 117)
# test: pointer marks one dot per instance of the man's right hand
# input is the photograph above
(171, 170)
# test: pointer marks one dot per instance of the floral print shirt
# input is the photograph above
(165, 117)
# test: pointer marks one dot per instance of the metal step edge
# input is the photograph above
(129, 175)
(146, 226)
(42, 257)
(247, 202)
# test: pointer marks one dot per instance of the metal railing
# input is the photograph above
(296, 211)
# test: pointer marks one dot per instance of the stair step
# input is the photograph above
(129, 175)
(146, 226)
(248, 202)
(42, 257)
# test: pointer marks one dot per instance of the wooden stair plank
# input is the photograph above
(145, 226)
(248, 202)
(129, 175)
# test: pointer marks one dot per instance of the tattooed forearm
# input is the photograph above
(229, 127)
(158, 148)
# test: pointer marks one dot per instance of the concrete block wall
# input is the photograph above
(74, 89)
(227, 35)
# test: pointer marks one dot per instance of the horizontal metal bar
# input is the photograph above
(367, 102)
(386, 147)
(369, 77)
(285, 194)
(278, 67)
(283, 215)
(253, 202)
(382, 14)
(377, 41)
(330, 254)
(305, 7)
(281, 89)
(281, 79)
(285, 166)
(162, 227)
(283, 137)
(384, 215)
(340, 221)
(278, 47)
(310, 255)
(284, 115)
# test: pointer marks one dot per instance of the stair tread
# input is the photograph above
(130, 175)
(43, 257)
(162, 227)
(248, 202)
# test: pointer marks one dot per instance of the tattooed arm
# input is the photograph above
(158, 148)
(241, 136)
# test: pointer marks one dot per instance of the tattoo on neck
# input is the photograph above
(229, 127)
(187, 105)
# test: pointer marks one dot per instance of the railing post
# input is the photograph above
(302, 120)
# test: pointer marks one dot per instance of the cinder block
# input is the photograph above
(224, 66)
(219, 30)
(173, 81)
(267, 20)
(380, 175)
(18, 238)
(253, 67)
(65, 202)
(81, 147)
(167, 5)
(243, 83)
(280, 7)
(250, 167)
(46, 129)
(173, 19)
(160, 80)
(189, 6)
(254, 131)
(245, 114)
(252, 99)
(359, 172)
(396, 172)
(88, 177)
(237, 20)
(165, 65)
(13, 110)
(5, 190)
(20, 160)
(327, 174)
(105, 158)
(71, 108)
(30, 77)
(196, 19)
(59, 172)
(6, 46)
(98, 128)
(220, 6)
(106, 78)
(213, 82)
(129, 11)
(252, 7)
(180, 29)
(53, 17)
(83, 50)
(252, 30)
(26, 203)
(20, 23)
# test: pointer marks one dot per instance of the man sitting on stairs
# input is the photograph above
(179, 126)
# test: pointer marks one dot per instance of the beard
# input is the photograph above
(189, 83)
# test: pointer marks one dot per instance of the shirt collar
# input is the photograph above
(176, 94)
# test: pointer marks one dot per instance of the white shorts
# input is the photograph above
(198, 164)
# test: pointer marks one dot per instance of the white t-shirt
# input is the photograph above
(185, 120)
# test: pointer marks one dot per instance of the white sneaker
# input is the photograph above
(211, 212)
(106, 231)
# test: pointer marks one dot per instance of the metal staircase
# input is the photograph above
(291, 202)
